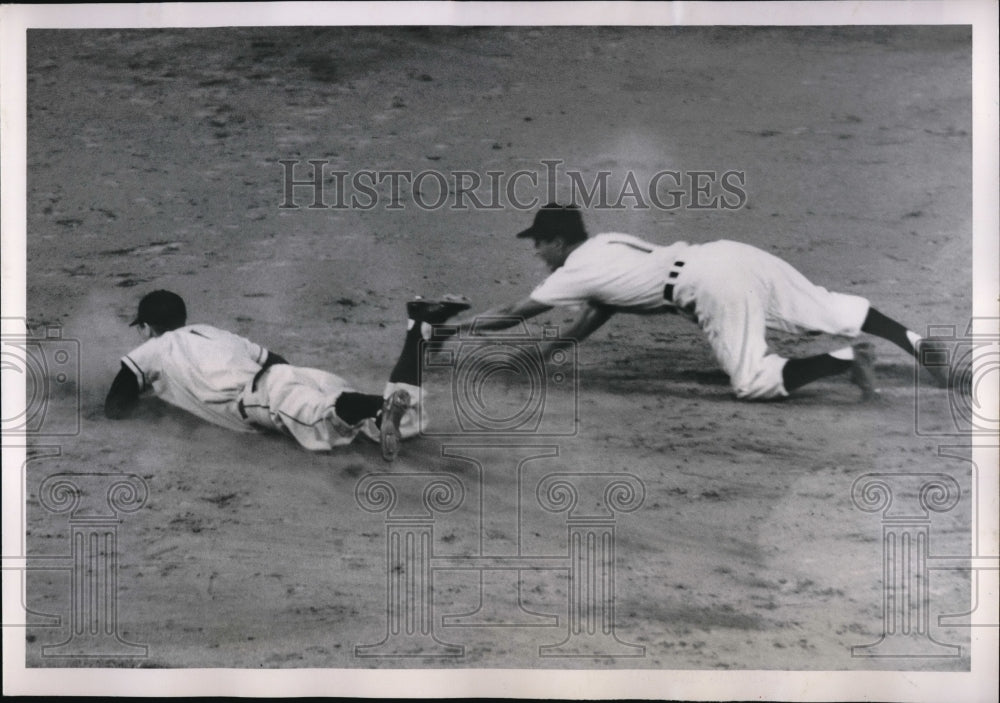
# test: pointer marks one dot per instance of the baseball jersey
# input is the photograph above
(613, 269)
(200, 369)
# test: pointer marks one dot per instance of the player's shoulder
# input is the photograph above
(603, 237)
(611, 238)
(206, 331)
(217, 335)
(200, 328)
(193, 334)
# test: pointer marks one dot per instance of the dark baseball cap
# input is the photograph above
(161, 308)
(554, 221)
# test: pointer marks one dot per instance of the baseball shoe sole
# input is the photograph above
(863, 370)
(392, 412)
(434, 311)
(935, 352)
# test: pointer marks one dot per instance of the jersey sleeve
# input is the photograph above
(565, 286)
(252, 350)
(145, 363)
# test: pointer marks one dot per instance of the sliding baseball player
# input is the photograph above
(235, 383)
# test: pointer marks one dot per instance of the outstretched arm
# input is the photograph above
(592, 317)
(501, 317)
(123, 396)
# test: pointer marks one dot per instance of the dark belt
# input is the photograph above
(253, 384)
(265, 367)
(668, 290)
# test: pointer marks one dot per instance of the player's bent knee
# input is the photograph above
(752, 393)
(766, 384)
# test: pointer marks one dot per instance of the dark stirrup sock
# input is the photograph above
(353, 407)
(799, 372)
(885, 327)
(407, 368)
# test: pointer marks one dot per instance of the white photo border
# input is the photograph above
(982, 15)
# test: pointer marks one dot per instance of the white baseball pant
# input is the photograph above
(300, 402)
(739, 291)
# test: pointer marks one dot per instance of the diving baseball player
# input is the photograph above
(235, 383)
(733, 291)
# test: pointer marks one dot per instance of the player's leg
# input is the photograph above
(800, 305)
(795, 304)
(922, 349)
(402, 413)
(730, 308)
(321, 412)
(858, 359)
(397, 412)
(302, 402)
(422, 314)
(353, 407)
(404, 382)
(736, 303)
(360, 409)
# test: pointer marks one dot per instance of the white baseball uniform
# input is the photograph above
(733, 291)
(210, 373)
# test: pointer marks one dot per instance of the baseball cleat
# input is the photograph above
(933, 356)
(392, 412)
(434, 311)
(863, 370)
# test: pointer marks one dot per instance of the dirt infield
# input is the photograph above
(154, 161)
